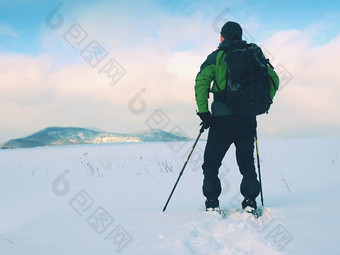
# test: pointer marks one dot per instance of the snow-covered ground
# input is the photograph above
(108, 199)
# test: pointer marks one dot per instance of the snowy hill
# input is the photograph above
(108, 198)
(73, 135)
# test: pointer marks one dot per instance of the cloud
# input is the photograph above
(310, 101)
(161, 53)
(7, 30)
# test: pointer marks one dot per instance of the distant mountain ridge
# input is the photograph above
(53, 136)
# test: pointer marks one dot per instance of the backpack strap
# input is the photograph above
(218, 87)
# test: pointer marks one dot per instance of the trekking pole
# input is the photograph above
(185, 164)
(258, 166)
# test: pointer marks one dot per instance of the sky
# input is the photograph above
(125, 66)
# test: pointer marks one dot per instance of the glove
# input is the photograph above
(206, 119)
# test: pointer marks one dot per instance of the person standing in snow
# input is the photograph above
(226, 128)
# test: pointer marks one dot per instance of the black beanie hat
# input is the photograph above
(231, 31)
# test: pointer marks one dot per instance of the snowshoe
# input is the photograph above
(216, 209)
(249, 206)
(251, 210)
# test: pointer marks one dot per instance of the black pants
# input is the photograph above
(224, 131)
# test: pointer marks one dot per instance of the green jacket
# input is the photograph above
(214, 70)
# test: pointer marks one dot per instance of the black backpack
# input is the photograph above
(248, 82)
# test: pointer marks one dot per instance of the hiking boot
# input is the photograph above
(211, 203)
(247, 202)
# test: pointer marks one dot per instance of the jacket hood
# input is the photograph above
(226, 43)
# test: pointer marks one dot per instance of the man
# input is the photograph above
(226, 127)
